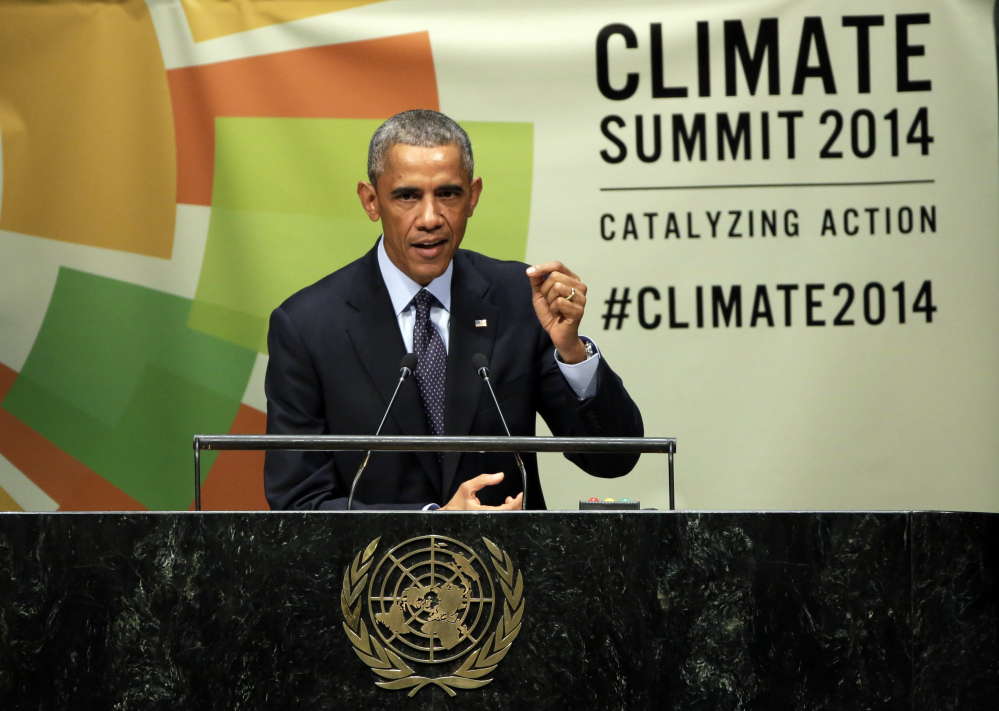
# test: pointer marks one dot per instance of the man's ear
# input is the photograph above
(369, 200)
(476, 189)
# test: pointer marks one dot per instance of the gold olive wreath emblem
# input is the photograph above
(431, 600)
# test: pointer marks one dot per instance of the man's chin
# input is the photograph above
(425, 272)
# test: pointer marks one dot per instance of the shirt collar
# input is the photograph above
(402, 289)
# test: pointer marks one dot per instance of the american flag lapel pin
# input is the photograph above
(480, 323)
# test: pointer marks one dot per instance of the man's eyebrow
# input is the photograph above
(404, 191)
(451, 188)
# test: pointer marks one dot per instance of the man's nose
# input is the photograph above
(430, 214)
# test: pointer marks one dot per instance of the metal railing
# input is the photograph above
(382, 443)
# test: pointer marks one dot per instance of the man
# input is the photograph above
(335, 348)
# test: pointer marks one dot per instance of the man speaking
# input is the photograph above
(335, 348)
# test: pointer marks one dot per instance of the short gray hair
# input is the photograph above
(418, 127)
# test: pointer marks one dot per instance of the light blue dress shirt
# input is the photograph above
(580, 376)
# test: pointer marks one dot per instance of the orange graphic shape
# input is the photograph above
(236, 481)
(370, 79)
(209, 19)
(70, 484)
(7, 378)
(86, 125)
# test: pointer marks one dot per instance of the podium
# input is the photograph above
(625, 610)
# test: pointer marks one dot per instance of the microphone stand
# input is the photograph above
(404, 372)
(484, 372)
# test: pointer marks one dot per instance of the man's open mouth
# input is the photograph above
(430, 249)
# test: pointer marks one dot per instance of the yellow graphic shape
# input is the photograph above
(209, 19)
(86, 125)
(7, 502)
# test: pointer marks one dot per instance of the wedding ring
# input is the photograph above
(569, 297)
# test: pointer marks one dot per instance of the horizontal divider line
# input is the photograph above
(396, 443)
(772, 185)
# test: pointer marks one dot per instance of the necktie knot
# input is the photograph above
(423, 301)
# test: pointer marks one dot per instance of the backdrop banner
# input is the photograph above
(786, 214)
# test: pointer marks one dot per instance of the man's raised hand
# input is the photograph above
(559, 301)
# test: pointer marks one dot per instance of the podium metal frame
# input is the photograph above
(383, 443)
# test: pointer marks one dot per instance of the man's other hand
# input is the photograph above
(559, 300)
(465, 498)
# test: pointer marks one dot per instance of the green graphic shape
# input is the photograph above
(285, 212)
(117, 380)
(504, 159)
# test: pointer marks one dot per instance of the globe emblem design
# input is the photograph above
(431, 599)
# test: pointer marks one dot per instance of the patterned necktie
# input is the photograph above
(431, 366)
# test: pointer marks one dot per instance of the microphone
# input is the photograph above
(406, 368)
(481, 364)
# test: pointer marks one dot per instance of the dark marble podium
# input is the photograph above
(630, 610)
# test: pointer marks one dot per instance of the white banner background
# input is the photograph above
(884, 417)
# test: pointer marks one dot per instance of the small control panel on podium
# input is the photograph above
(609, 505)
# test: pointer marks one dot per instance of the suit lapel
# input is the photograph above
(374, 331)
(463, 386)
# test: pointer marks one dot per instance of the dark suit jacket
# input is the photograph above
(335, 349)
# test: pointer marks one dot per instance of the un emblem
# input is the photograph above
(432, 601)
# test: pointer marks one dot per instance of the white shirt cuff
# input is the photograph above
(582, 377)
(431, 507)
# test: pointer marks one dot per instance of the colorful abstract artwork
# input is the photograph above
(235, 179)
